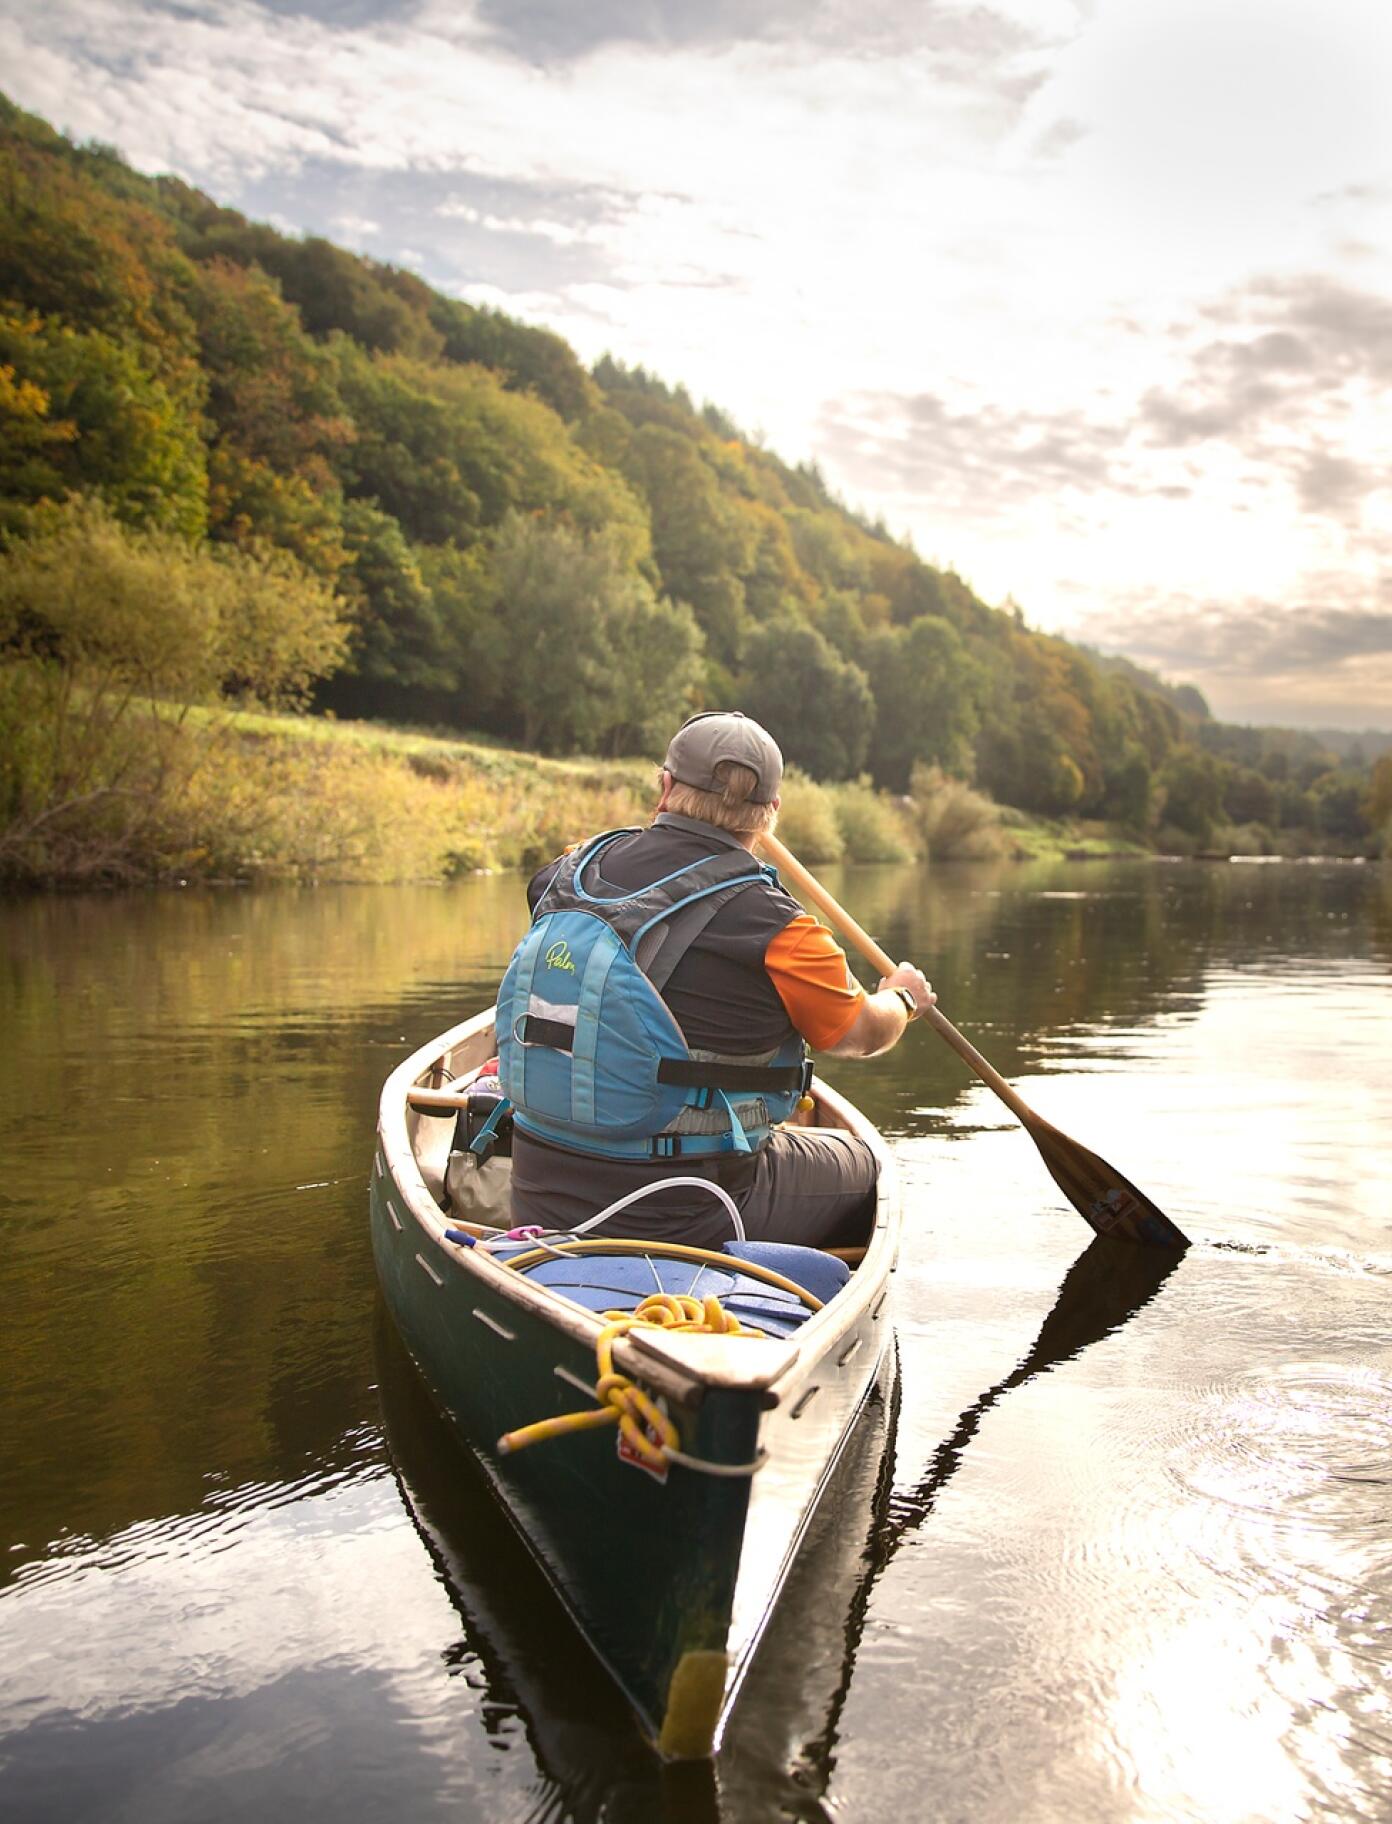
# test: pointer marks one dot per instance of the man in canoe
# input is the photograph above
(654, 1021)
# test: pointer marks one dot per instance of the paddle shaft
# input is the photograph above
(789, 865)
(1110, 1203)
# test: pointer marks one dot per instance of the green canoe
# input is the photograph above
(670, 1572)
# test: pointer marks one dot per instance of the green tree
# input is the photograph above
(1377, 802)
(1338, 797)
(1129, 791)
(28, 435)
(1248, 796)
(773, 579)
(699, 544)
(449, 451)
(73, 251)
(473, 667)
(129, 440)
(399, 638)
(565, 606)
(926, 688)
(817, 705)
(331, 288)
(653, 669)
(1193, 788)
(419, 463)
(271, 389)
(533, 360)
(828, 548)
(250, 504)
(149, 614)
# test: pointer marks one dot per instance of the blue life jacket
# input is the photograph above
(589, 1054)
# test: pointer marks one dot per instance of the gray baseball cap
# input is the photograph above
(702, 741)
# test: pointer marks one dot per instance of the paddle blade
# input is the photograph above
(1098, 1192)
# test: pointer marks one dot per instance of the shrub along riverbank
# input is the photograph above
(237, 796)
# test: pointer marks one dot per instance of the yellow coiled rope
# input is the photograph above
(636, 1413)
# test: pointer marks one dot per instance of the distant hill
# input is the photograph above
(1358, 747)
(1189, 701)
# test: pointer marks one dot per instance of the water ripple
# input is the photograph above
(1307, 1443)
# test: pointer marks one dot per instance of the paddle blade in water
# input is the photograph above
(1099, 1193)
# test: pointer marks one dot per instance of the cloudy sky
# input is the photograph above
(1092, 298)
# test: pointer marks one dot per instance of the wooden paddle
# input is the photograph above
(1097, 1191)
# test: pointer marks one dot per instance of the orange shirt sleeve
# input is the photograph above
(809, 969)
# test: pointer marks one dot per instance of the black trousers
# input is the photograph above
(813, 1186)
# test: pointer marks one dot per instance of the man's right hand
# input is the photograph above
(881, 1021)
(917, 983)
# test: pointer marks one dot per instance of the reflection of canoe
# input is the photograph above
(524, 1659)
(670, 1576)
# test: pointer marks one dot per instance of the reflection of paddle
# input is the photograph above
(1097, 1191)
(1103, 1289)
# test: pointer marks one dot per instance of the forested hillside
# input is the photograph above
(464, 527)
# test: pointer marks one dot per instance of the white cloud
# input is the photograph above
(356, 227)
(560, 234)
(1329, 662)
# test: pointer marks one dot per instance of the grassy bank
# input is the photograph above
(216, 795)
(1029, 838)
(213, 795)
(308, 798)
(297, 797)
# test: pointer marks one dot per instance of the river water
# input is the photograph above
(1120, 1547)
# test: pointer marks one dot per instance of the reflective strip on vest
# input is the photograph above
(582, 1082)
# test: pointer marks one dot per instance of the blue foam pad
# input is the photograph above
(823, 1275)
(620, 1282)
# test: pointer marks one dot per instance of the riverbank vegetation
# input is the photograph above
(241, 470)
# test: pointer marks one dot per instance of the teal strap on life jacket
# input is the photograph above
(738, 1136)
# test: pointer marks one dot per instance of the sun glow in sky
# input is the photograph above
(1092, 298)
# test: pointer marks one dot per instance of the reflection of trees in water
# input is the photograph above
(1019, 951)
(526, 1661)
(190, 1084)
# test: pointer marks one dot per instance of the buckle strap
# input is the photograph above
(532, 1029)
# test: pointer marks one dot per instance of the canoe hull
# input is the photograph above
(670, 1579)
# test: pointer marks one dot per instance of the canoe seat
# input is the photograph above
(823, 1275)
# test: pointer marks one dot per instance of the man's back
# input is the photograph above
(760, 972)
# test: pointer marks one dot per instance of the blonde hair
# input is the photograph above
(731, 808)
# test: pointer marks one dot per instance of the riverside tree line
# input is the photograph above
(234, 463)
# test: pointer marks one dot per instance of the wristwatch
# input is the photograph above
(906, 996)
